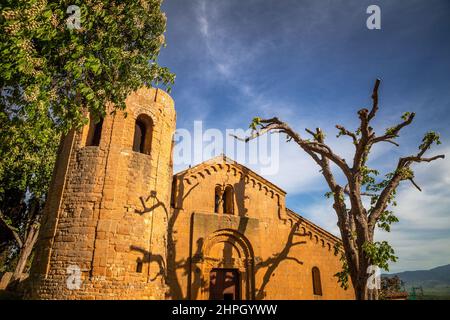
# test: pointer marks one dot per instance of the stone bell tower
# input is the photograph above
(104, 230)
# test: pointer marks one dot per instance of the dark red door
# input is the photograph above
(224, 284)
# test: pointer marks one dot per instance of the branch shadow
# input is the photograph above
(273, 262)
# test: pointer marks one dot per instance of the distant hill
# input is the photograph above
(435, 282)
(439, 276)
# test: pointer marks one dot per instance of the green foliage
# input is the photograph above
(329, 194)
(380, 254)
(368, 175)
(386, 219)
(28, 150)
(373, 186)
(390, 132)
(255, 123)
(47, 65)
(28, 147)
(406, 115)
(429, 138)
(319, 136)
(50, 75)
(405, 173)
(342, 276)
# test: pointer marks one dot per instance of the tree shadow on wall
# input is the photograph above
(195, 279)
(148, 257)
(272, 263)
(169, 269)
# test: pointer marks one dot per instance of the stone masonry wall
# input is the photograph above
(273, 248)
(107, 210)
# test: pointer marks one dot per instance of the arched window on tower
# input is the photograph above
(95, 132)
(317, 285)
(228, 200)
(143, 130)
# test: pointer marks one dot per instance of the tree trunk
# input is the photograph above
(360, 288)
(25, 251)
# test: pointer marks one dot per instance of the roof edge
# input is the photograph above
(222, 158)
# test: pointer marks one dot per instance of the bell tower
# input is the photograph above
(104, 230)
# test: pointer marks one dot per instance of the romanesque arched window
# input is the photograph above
(228, 200)
(143, 130)
(317, 285)
(217, 198)
(94, 132)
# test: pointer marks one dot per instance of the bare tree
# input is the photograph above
(356, 223)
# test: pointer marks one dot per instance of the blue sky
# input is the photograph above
(313, 64)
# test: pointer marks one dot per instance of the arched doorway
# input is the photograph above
(224, 284)
(227, 267)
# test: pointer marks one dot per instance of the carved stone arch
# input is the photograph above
(242, 260)
(208, 172)
(139, 111)
(201, 175)
(151, 115)
(226, 235)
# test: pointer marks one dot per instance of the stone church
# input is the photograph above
(119, 225)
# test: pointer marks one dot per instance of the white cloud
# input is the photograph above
(422, 237)
(322, 214)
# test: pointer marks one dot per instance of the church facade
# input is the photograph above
(119, 225)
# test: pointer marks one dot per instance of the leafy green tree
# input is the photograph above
(60, 60)
(28, 149)
(47, 63)
(357, 223)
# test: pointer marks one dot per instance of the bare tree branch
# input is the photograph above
(403, 163)
(356, 224)
(375, 100)
(415, 184)
(392, 142)
(312, 146)
(394, 131)
(347, 192)
(346, 132)
(364, 144)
